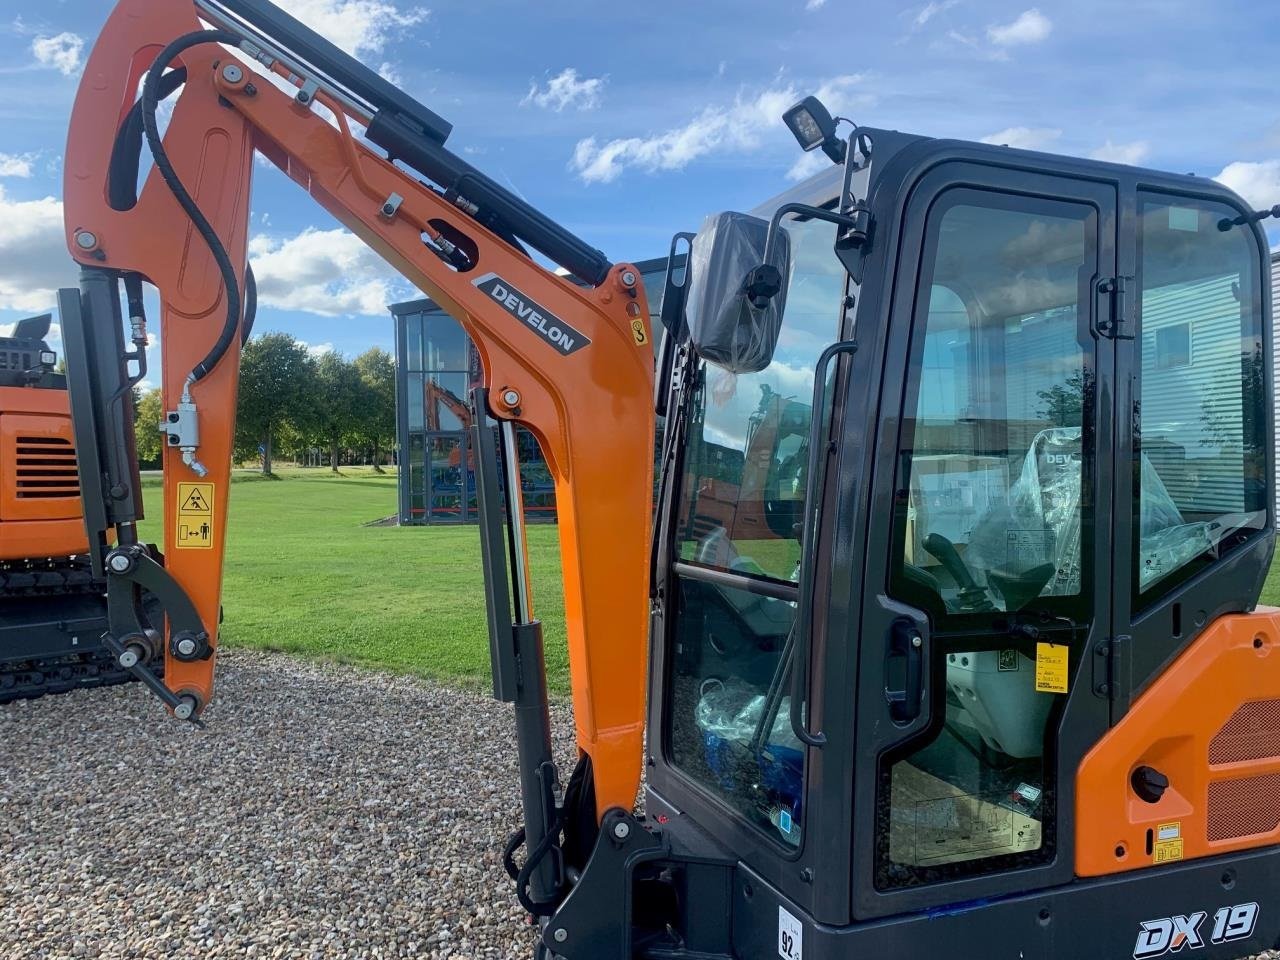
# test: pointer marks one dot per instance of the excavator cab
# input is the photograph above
(968, 697)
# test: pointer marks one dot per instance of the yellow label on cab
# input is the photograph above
(1052, 674)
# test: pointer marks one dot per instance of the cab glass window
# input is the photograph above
(1201, 460)
(741, 515)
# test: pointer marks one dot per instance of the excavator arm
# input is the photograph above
(570, 361)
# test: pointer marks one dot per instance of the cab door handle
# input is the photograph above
(904, 671)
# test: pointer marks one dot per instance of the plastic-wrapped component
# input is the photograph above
(728, 714)
(1039, 525)
(1166, 542)
(724, 327)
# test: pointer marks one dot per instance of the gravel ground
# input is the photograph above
(319, 816)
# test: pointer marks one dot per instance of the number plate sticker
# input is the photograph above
(790, 936)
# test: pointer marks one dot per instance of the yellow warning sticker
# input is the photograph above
(1167, 851)
(1051, 668)
(1168, 843)
(195, 516)
(637, 331)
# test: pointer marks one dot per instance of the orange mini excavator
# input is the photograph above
(52, 609)
(945, 635)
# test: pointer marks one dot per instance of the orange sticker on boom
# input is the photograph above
(195, 517)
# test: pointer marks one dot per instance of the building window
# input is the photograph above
(1173, 346)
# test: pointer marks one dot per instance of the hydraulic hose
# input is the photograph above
(250, 304)
(150, 100)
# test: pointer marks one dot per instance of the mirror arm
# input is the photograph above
(849, 221)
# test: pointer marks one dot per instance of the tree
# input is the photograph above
(340, 393)
(147, 416)
(378, 409)
(1064, 402)
(277, 392)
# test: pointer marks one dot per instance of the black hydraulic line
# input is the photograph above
(150, 100)
(126, 152)
(250, 304)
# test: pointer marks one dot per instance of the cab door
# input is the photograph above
(988, 570)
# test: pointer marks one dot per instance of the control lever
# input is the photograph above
(972, 597)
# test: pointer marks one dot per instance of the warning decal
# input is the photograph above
(195, 516)
(1168, 846)
(637, 332)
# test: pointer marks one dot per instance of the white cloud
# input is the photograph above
(1257, 183)
(15, 165)
(62, 52)
(931, 10)
(1031, 26)
(318, 350)
(1024, 138)
(737, 126)
(815, 4)
(1129, 153)
(34, 260)
(357, 26)
(807, 164)
(566, 89)
(391, 73)
(327, 272)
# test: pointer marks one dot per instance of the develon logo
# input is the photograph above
(537, 317)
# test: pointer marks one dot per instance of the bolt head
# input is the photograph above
(628, 278)
(511, 398)
(561, 935)
(185, 709)
(86, 240)
(232, 73)
(119, 563)
(917, 641)
(186, 646)
(622, 830)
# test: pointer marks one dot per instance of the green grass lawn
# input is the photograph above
(305, 576)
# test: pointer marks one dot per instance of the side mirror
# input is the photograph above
(737, 294)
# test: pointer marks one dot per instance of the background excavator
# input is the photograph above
(945, 632)
(52, 609)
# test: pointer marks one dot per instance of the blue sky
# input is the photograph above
(628, 124)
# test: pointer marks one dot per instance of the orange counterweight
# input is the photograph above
(1211, 725)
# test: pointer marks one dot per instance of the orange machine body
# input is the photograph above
(591, 411)
(39, 490)
(1211, 724)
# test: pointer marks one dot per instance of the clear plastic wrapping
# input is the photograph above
(1166, 541)
(1039, 524)
(723, 325)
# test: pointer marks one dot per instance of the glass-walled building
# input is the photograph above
(436, 366)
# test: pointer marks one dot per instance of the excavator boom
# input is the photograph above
(570, 361)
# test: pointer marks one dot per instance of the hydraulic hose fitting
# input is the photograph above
(181, 428)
